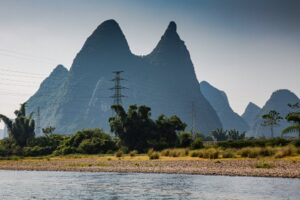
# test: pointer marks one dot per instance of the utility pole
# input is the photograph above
(193, 118)
(117, 97)
(38, 121)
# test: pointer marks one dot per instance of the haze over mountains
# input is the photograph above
(219, 101)
(278, 101)
(251, 113)
(163, 80)
(251, 120)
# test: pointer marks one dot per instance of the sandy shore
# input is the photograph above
(289, 168)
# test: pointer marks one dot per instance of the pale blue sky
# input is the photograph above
(248, 48)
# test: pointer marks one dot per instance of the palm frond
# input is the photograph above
(291, 129)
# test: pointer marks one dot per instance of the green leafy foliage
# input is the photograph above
(185, 139)
(138, 131)
(220, 134)
(235, 135)
(21, 130)
(87, 141)
(271, 119)
(293, 117)
(197, 144)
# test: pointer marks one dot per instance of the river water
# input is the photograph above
(114, 186)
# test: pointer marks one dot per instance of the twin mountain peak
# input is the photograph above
(164, 80)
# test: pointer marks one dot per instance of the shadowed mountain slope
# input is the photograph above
(278, 101)
(219, 101)
(163, 80)
(250, 114)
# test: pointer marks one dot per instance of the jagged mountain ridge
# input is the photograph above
(219, 101)
(250, 114)
(164, 80)
(278, 101)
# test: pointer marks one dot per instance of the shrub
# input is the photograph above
(195, 153)
(244, 152)
(263, 165)
(133, 153)
(37, 151)
(185, 139)
(166, 152)
(289, 150)
(267, 151)
(211, 153)
(296, 143)
(253, 152)
(228, 153)
(87, 141)
(197, 144)
(65, 150)
(90, 146)
(254, 143)
(154, 155)
(175, 152)
(119, 154)
(279, 154)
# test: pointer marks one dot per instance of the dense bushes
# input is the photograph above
(137, 131)
(87, 141)
(254, 143)
(197, 144)
(185, 139)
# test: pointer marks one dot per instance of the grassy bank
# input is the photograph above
(205, 161)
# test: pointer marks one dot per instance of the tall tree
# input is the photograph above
(295, 118)
(137, 131)
(271, 119)
(219, 134)
(134, 128)
(236, 135)
(21, 129)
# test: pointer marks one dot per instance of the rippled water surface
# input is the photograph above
(81, 185)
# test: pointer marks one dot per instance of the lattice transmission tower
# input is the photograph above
(118, 96)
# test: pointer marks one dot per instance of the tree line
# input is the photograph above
(134, 130)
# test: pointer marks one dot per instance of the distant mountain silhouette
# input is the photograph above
(250, 114)
(278, 101)
(219, 101)
(164, 80)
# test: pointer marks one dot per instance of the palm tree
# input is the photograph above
(271, 119)
(220, 134)
(21, 129)
(295, 127)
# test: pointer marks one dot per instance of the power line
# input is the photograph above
(23, 76)
(21, 72)
(38, 121)
(28, 55)
(21, 81)
(32, 59)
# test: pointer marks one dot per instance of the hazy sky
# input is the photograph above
(248, 48)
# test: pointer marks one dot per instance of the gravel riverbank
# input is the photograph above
(273, 168)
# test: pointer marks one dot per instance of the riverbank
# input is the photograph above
(264, 167)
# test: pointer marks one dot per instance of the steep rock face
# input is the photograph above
(219, 101)
(1, 134)
(48, 97)
(278, 101)
(250, 114)
(164, 80)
